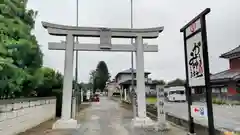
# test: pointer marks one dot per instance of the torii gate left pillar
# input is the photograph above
(105, 35)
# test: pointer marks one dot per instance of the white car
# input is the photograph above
(176, 94)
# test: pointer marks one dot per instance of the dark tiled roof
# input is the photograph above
(129, 82)
(232, 54)
(129, 71)
(226, 75)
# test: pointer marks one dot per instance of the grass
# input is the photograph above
(224, 102)
(231, 133)
(151, 100)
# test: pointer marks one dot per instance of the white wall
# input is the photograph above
(112, 87)
(21, 114)
(124, 77)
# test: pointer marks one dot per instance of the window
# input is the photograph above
(160, 89)
(224, 89)
(193, 91)
(176, 92)
(181, 92)
(153, 87)
(199, 90)
(213, 90)
(119, 77)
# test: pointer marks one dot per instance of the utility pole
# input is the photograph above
(76, 68)
(133, 93)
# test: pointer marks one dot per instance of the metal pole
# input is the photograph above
(132, 83)
(188, 91)
(76, 68)
(211, 128)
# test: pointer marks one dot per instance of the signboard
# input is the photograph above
(197, 68)
(136, 105)
(193, 27)
(105, 39)
(134, 100)
(195, 60)
(199, 111)
(160, 105)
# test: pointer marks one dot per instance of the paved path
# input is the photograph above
(108, 118)
(225, 117)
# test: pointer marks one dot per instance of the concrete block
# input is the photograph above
(2, 108)
(9, 107)
(65, 124)
(3, 116)
(17, 105)
(25, 104)
(24, 118)
(11, 115)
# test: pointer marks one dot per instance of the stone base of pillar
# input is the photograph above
(142, 122)
(162, 126)
(65, 124)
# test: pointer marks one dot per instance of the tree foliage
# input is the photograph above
(21, 71)
(176, 82)
(100, 76)
(160, 82)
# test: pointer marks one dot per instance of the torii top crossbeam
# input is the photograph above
(63, 30)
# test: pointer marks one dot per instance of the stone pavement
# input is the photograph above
(108, 118)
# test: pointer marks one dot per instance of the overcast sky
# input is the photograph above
(168, 63)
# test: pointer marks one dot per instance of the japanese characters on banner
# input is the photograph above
(195, 56)
(135, 100)
(160, 105)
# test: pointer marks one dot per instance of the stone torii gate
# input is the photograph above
(105, 34)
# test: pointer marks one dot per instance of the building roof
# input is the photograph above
(129, 71)
(129, 82)
(226, 76)
(234, 53)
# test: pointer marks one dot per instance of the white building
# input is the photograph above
(112, 87)
(124, 81)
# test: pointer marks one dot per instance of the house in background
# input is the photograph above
(124, 80)
(112, 88)
(226, 83)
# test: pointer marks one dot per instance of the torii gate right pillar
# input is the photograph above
(140, 78)
(141, 120)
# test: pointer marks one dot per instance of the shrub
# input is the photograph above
(223, 102)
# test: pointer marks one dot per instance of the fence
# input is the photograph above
(18, 115)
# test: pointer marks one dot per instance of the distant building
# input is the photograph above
(112, 87)
(227, 83)
(124, 80)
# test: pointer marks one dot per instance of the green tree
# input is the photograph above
(176, 82)
(101, 76)
(20, 54)
(160, 82)
(92, 75)
(48, 83)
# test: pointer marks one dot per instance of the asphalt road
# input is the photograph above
(108, 118)
(225, 117)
